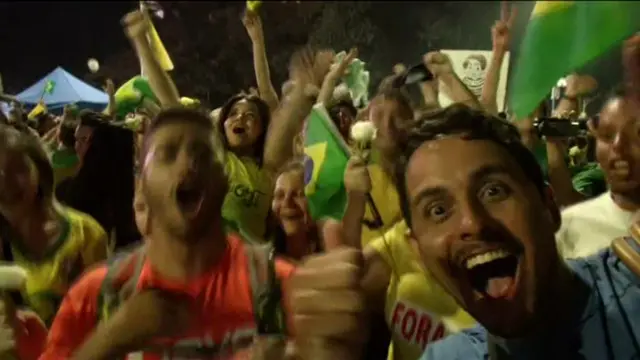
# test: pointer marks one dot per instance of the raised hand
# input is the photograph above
(580, 85)
(309, 67)
(328, 304)
(252, 22)
(399, 68)
(501, 30)
(109, 87)
(438, 63)
(342, 68)
(136, 24)
(356, 176)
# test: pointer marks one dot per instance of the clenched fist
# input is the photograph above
(136, 24)
(438, 63)
(327, 301)
(356, 176)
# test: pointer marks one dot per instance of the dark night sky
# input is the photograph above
(37, 36)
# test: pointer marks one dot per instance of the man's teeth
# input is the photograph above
(620, 164)
(486, 257)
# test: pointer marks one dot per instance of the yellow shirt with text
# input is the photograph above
(417, 309)
(248, 200)
(81, 244)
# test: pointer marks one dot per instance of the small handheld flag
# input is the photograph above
(49, 87)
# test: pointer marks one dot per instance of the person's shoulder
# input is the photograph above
(468, 344)
(587, 207)
(392, 245)
(83, 220)
(592, 268)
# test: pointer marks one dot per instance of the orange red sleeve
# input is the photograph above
(76, 317)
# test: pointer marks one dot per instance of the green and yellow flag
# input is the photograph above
(326, 156)
(49, 87)
(131, 95)
(561, 37)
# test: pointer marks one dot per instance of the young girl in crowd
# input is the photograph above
(296, 234)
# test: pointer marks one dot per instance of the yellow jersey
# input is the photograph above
(387, 204)
(81, 244)
(247, 203)
(418, 311)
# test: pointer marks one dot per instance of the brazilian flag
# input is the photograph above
(131, 95)
(326, 156)
(561, 37)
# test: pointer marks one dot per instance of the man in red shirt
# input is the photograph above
(189, 291)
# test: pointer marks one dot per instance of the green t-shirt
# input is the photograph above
(589, 179)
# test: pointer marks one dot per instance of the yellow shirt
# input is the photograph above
(247, 203)
(418, 311)
(82, 243)
(386, 201)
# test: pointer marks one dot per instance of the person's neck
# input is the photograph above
(36, 225)
(627, 201)
(183, 259)
(561, 304)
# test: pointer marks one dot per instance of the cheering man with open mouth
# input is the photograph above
(485, 229)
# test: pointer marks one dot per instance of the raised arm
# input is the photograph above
(440, 66)
(137, 25)
(110, 89)
(307, 71)
(332, 78)
(501, 36)
(267, 92)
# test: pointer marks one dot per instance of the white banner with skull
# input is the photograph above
(471, 67)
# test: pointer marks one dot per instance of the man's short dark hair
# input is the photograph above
(459, 119)
(177, 115)
(92, 119)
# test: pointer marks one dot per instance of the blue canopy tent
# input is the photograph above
(5, 108)
(60, 88)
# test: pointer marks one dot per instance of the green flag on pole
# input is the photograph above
(49, 87)
(561, 37)
(326, 156)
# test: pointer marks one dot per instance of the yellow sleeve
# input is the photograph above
(96, 242)
(385, 245)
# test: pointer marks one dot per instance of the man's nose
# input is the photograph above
(620, 142)
(189, 161)
(471, 220)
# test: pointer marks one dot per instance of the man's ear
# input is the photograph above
(409, 236)
(592, 127)
(141, 210)
(552, 207)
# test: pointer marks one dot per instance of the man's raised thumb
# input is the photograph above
(332, 234)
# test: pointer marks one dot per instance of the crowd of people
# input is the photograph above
(189, 235)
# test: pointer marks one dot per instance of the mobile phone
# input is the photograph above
(555, 127)
(414, 75)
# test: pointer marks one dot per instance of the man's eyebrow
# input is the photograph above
(489, 169)
(478, 174)
(427, 193)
